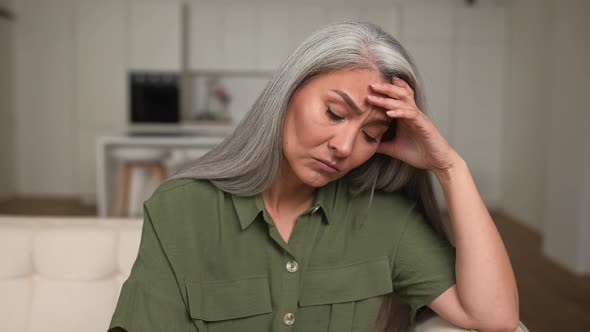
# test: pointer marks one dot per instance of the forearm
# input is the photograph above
(485, 281)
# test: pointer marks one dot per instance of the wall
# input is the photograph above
(566, 228)
(477, 98)
(45, 98)
(526, 122)
(7, 183)
(546, 148)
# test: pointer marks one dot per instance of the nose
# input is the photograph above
(342, 142)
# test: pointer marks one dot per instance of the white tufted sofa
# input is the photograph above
(65, 274)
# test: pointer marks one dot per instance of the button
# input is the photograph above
(292, 266)
(289, 319)
(315, 209)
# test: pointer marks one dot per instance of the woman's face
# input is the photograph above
(329, 120)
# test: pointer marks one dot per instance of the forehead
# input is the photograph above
(354, 81)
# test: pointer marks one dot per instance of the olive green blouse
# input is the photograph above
(212, 261)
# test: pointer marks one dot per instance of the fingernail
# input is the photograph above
(392, 112)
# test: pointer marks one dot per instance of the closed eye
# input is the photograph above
(337, 117)
(370, 138)
(333, 115)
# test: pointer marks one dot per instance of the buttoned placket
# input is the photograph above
(291, 260)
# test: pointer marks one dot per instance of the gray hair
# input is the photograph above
(248, 161)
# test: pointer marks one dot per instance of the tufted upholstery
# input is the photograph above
(65, 274)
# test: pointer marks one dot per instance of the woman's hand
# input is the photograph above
(417, 141)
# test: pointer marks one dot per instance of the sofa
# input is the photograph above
(65, 274)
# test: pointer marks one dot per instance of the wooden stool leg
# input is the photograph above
(160, 172)
(120, 207)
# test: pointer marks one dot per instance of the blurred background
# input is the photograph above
(101, 100)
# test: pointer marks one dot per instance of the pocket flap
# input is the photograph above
(229, 299)
(346, 283)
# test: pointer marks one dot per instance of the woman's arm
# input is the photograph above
(485, 296)
(486, 289)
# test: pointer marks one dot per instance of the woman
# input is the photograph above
(317, 213)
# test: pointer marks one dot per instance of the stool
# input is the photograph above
(136, 159)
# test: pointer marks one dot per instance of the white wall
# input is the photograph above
(7, 183)
(477, 94)
(45, 98)
(101, 102)
(547, 126)
(526, 122)
(566, 220)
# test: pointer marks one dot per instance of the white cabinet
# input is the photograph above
(234, 36)
(205, 36)
(155, 35)
(250, 36)
(113, 37)
(239, 36)
(303, 20)
(101, 89)
(272, 40)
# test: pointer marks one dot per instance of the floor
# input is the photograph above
(45, 206)
(551, 299)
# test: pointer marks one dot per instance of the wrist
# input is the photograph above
(457, 167)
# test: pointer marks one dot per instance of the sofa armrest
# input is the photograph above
(436, 324)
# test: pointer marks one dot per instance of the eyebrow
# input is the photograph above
(357, 110)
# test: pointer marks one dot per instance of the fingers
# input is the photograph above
(393, 104)
(403, 113)
(398, 89)
(386, 102)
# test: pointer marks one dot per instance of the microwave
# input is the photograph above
(154, 98)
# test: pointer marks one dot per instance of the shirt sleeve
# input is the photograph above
(150, 299)
(424, 264)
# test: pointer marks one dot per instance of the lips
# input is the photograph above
(328, 163)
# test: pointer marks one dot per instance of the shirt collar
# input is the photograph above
(249, 207)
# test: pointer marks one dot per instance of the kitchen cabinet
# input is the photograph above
(205, 24)
(239, 36)
(226, 36)
(113, 37)
(303, 20)
(100, 100)
(232, 36)
(155, 35)
(272, 40)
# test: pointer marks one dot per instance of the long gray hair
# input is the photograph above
(248, 161)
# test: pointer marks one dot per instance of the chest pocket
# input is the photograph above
(348, 289)
(227, 305)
